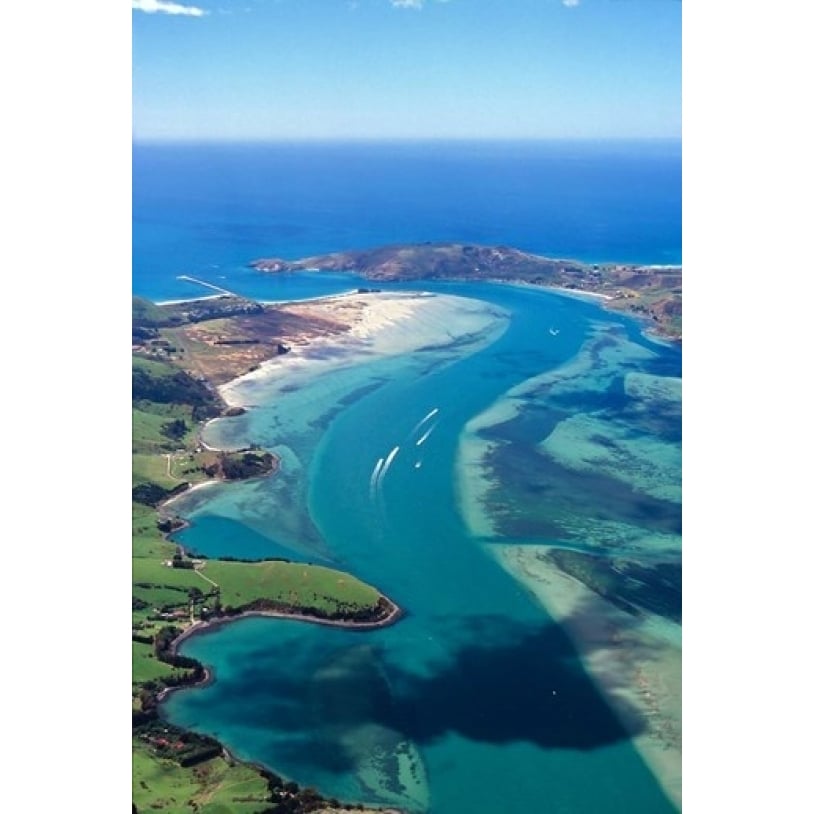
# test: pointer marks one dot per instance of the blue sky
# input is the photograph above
(283, 69)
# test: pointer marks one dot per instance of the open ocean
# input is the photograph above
(560, 427)
(208, 210)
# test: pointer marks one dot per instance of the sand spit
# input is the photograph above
(195, 487)
(579, 294)
(635, 663)
(374, 324)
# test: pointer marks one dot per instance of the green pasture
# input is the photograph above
(189, 466)
(211, 787)
(146, 667)
(214, 786)
(156, 573)
(148, 419)
(159, 596)
(148, 313)
(295, 583)
(152, 469)
(148, 541)
(156, 369)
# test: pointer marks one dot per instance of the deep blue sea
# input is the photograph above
(555, 426)
(208, 210)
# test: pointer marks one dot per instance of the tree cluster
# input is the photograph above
(151, 494)
(174, 430)
(176, 388)
(247, 465)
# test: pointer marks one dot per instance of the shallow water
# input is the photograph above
(476, 701)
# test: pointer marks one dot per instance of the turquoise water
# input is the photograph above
(475, 701)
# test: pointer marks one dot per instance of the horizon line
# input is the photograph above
(392, 139)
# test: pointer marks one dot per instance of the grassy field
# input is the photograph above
(190, 466)
(156, 369)
(153, 469)
(148, 542)
(163, 595)
(156, 573)
(213, 787)
(146, 667)
(149, 314)
(148, 421)
(293, 583)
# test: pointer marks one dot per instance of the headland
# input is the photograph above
(651, 293)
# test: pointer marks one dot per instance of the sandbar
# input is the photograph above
(366, 326)
(635, 663)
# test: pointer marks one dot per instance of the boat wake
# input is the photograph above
(425, 436)
(424, 420)
(382, 466)
(374, 477)
(387, 462)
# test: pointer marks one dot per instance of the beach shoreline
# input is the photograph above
(649, 292)
(375, 324)
(379, 320)
(186, 300)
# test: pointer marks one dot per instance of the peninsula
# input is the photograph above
(180, 353)
(652, 293)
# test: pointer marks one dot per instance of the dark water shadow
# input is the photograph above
(509, 683)
(501, 682)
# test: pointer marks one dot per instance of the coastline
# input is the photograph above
(319, 298)
(554, 289)
(194, 487)
(394, 614)
(650, 291)
(579, 295)
(363, 331)
(185, 300)
(665, 340)
(390, 309)
(374, 325)
(358, 338)
(209, 482)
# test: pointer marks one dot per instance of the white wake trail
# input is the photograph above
(374, 477)
(387, 462)
(424, 420)
(425, 436)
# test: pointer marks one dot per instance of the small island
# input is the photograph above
(652, 293)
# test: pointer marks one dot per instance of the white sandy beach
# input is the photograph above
(376, 325)
(589, 295)
(571, 292)
(190, 299)
(196, 487)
